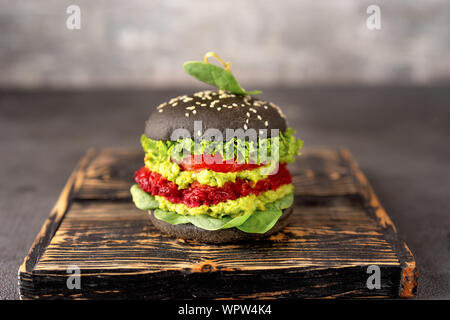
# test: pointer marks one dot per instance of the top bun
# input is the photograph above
(215, 109)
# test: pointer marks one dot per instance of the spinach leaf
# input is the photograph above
(201, 221)
(237, 221)
(285, 202)
(216, 76)
(142, 199)
(262, 221)
(170, 217)
(209, 223)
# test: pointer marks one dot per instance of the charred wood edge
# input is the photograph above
(409, 273)
(73, 184)
(317, 282)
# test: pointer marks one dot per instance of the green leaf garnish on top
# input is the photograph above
(222, 78)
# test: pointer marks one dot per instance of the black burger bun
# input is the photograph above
(190, 232)
(215, 109)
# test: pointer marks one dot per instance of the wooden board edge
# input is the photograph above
(409, 274)
(367, 191)
(53, 221)
(116, 286)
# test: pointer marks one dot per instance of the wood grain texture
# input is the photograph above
(339, 228)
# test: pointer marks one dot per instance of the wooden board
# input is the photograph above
(339, 229)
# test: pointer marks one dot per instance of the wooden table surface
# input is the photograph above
(399, 136)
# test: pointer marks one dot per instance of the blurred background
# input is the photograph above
(382, 93)
(284, 43)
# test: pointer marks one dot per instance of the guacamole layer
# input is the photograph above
(172, 172)
(233, 208)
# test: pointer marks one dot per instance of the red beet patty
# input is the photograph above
(199, 194)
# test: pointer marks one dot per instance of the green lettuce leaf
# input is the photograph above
(142, 199)
(286, 145)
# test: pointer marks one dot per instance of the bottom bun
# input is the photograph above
(190, 232)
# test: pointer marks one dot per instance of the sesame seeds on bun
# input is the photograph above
(215, 109)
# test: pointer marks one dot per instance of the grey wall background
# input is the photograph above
(285, 42)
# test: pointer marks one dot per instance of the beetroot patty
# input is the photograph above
(198, 194)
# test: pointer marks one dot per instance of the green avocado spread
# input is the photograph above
(172, 172)
(239, 206)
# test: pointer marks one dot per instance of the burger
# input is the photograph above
(215, 166)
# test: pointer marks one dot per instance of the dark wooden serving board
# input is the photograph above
(339, 229)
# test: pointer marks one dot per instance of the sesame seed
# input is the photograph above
(219, 108)
(265, 107)
(245, 127)
(248, 114)
(175, 104)
(161, 105)
(278, 109)
(160, 110)
(194, 111)
(246, 120)
(234, 105)
(266, 123)
(203, 104)
(190, 108)
(186, 114)
(259, 117)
